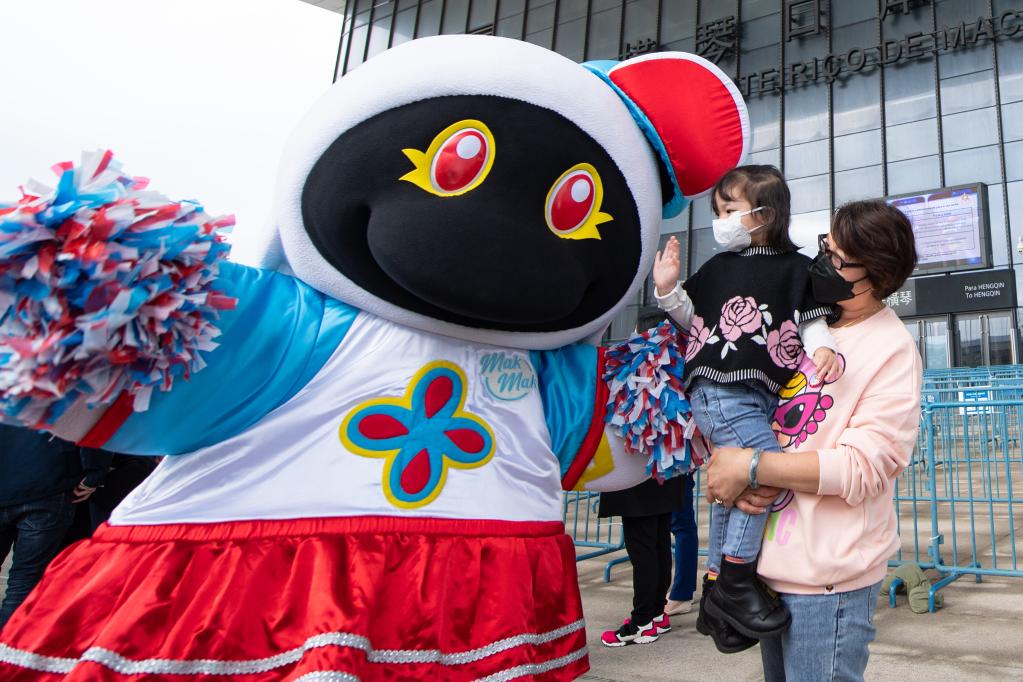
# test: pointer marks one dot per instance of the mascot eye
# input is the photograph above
(573, 203)
(460, 160)
(457, 161)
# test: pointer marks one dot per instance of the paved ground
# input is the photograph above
(978, 636)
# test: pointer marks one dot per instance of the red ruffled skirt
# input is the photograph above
(313, 599)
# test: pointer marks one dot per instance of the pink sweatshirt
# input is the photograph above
(864, 427)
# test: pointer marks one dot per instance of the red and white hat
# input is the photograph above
(691, 113)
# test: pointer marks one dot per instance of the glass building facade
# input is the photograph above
(851, 99)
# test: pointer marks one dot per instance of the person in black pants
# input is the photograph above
(125, 473)
(646, 523)
(41, 479)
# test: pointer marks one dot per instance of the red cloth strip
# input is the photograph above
(347, 525)
(107, 426)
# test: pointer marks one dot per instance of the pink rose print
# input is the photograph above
(740, 315)
(698, 335)
(784, 345)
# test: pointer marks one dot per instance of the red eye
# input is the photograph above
(460, 160)
(571, 201)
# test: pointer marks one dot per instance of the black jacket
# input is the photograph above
(646, 499)
(34, 465)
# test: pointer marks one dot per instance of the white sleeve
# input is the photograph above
(815, 335)
(678, 305)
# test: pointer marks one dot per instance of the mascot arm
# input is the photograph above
(618, 416)
(278, 336)
(123, 326)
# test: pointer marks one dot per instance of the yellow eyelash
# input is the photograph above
(588, 230)
(420, 176)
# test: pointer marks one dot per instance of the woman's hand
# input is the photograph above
(728, 474)
(667, 267)
(728, 481)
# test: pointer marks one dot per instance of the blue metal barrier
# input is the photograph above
(975, 472)
(603, 536)
(965, 478)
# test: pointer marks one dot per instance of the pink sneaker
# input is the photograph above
(662, 624)
(629, 634)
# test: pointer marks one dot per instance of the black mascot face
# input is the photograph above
(499, 214)
(497, 192)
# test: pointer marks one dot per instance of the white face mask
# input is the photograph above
(731, 234)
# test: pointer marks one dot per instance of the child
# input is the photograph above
(751, 316)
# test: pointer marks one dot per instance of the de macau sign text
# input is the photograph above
(835, 66)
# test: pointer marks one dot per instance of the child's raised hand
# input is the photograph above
(826, 365)
(667, 267)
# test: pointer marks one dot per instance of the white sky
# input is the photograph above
(197, 95)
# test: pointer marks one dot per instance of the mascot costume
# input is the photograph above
(366, 439)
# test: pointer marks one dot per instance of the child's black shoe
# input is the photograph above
(726, 638)
(742, 601)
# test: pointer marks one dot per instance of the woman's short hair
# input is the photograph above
(880, 238)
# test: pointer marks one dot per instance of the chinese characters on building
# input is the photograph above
(717, 39)
(899, 6)
(639, 47)
(803, 18)
(902, 298)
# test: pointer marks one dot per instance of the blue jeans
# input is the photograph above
(36, 530)
(828, 640)
(683, 527)
(737, 415)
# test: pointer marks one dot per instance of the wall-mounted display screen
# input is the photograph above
(951, 225)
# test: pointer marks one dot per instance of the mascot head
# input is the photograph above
(491, 190)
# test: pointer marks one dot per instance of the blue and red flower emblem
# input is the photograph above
(420, 435)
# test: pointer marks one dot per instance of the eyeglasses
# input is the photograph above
(837, 261)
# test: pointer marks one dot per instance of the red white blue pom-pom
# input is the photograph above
(104, 288)
(646, 404)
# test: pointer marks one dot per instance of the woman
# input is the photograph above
(830, 535)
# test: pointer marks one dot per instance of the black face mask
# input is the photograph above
(828, 285)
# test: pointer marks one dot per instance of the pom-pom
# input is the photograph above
(104, 288)
(646, 404)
